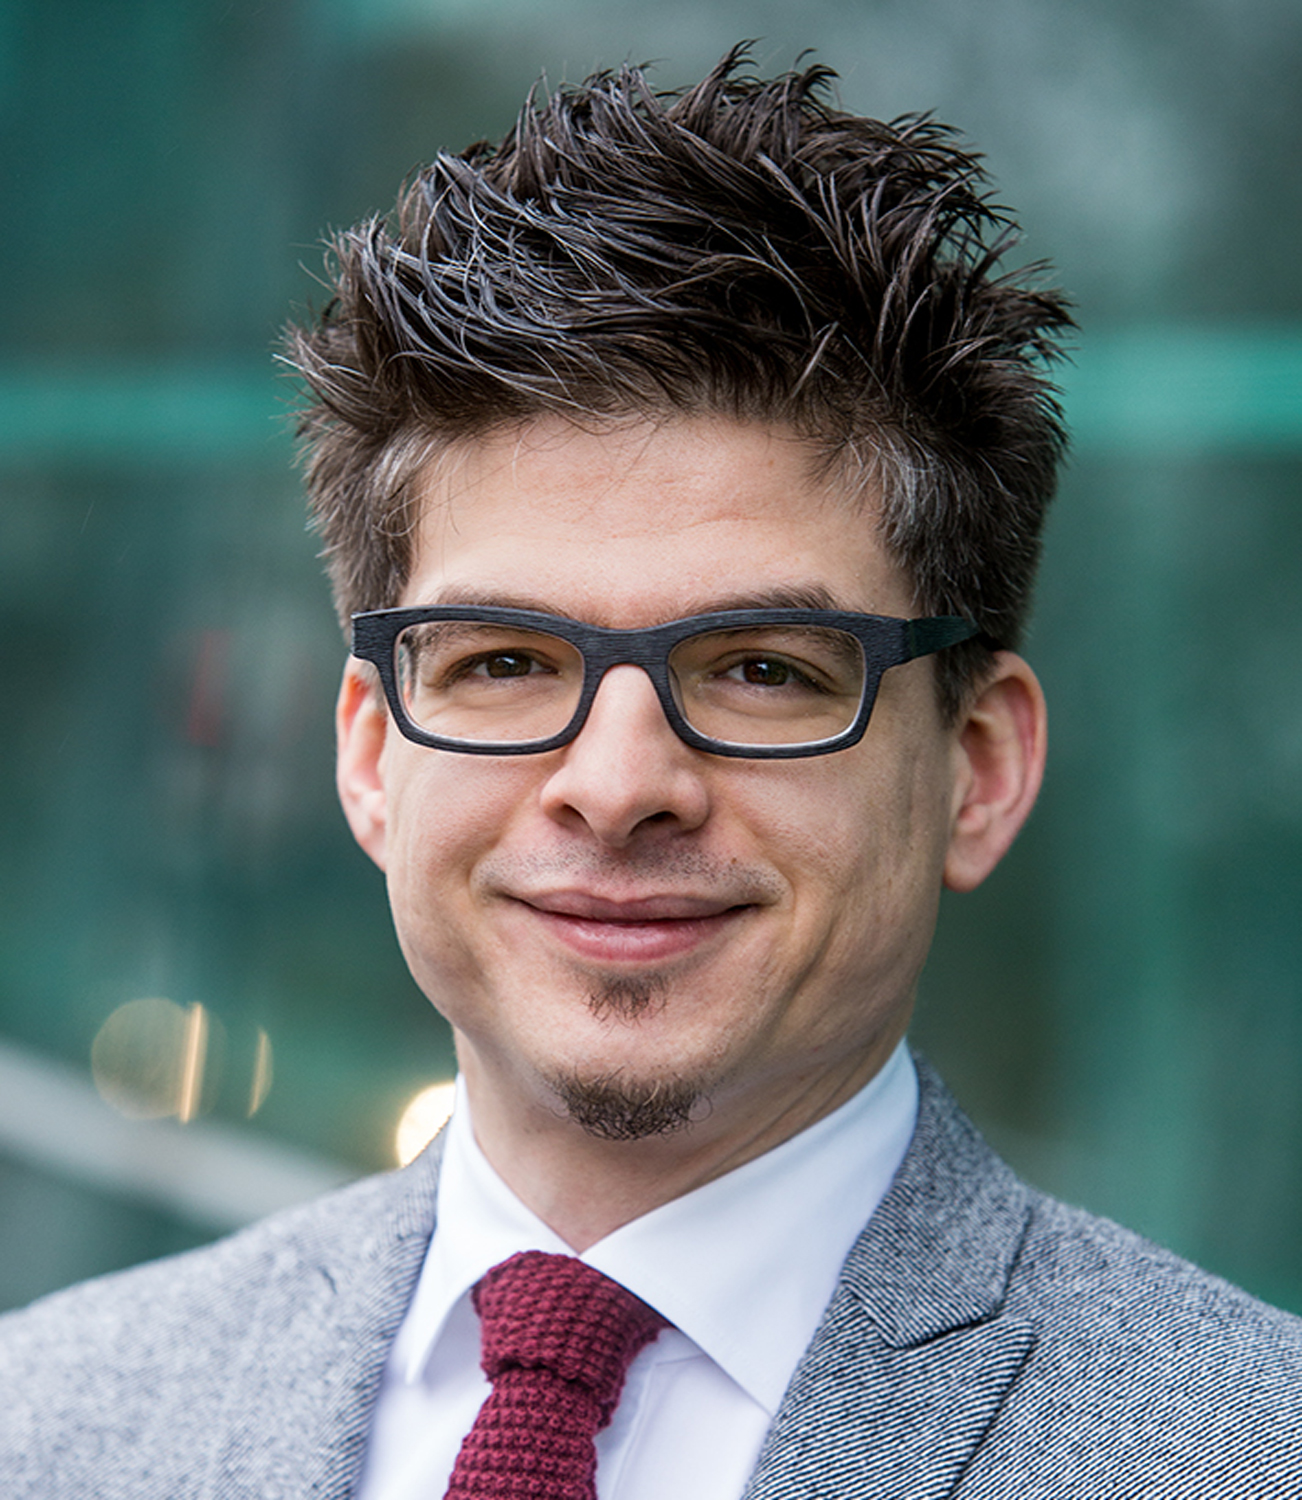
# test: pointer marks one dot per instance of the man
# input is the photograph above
(683, 460)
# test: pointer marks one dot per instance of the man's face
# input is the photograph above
(628, 921)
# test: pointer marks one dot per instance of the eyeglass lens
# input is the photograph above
(488, 683)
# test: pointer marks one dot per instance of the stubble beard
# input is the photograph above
(612, 1107)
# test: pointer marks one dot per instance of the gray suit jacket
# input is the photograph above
(983, 1341)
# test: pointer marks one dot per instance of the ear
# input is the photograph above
(361, 722)
(1001, 742)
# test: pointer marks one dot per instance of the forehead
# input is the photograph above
(641, 520)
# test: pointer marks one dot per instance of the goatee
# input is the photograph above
(625, 998)
(615, 1109)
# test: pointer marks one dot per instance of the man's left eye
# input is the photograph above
(765, 672)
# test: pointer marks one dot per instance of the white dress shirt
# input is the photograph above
(742, 1267)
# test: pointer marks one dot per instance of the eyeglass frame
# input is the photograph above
(885, 640)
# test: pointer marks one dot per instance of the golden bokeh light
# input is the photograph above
(150, 1058)
(425, 1115)
(262, 1073)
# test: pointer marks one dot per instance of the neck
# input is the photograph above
(585, 1187)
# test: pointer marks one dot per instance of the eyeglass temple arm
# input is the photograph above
(934, 634)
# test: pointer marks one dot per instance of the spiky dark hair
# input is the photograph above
(739, 247)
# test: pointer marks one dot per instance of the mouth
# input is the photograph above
(635, 930)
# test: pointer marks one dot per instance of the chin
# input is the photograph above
(616, 1107)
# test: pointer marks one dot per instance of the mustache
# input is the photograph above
(659, 868)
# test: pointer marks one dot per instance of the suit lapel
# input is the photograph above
(906, 1373)
(303, 1383)
(913, 1358)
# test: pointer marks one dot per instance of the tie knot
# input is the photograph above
(553, 1312)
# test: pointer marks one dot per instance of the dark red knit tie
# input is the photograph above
(558, 1338)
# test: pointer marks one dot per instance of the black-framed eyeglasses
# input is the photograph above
(760, 683)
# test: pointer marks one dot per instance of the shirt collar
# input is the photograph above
(770, 1235)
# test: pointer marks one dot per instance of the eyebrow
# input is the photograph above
(808, 596)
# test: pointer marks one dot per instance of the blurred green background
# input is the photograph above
(1120, 1007)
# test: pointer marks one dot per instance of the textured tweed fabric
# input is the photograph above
(558, 1338)
(984, 1343)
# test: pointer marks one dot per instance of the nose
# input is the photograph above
(627, 771)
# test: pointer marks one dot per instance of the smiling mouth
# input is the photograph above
(583, 906)
(643, 930)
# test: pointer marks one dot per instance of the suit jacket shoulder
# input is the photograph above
(984, 1341)
(246, 1368)
(988, 1341)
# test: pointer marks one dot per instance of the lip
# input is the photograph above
(641, 929)
(665, 907)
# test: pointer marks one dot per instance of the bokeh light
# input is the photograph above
(262, 1073)
(425, 1115)
(150, 1058)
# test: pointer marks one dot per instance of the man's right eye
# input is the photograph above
(499, 665)
(506, 664)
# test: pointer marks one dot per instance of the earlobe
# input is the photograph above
(361, 722)
(1001, 749)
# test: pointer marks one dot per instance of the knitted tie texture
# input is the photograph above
(557, 1340)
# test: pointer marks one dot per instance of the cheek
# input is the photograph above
(444, 813)
(866, 846)
(442, 806)
(865, 819)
